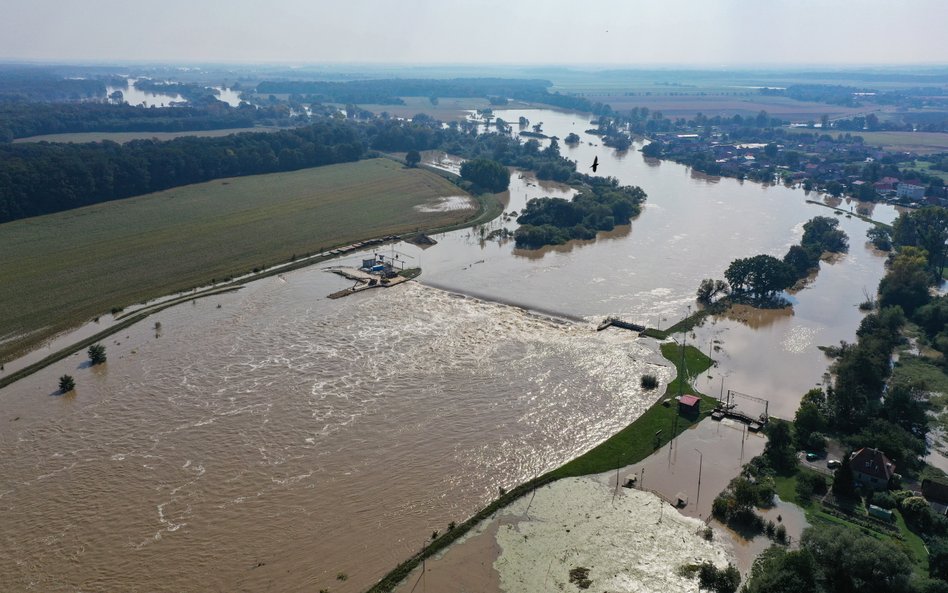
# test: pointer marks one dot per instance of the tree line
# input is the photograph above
(391, 91)
(42, 178)
(864, 407)
(25, 119)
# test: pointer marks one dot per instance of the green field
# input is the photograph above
(123, 137)
(63, 269)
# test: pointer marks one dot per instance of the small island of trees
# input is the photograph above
(600, 206)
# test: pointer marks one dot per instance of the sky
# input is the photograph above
(717, 33)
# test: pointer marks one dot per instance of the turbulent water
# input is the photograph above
(333, 437)
(282, 440)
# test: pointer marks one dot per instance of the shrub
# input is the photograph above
(649, 381)
(780, 534)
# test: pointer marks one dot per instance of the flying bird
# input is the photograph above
(595, 164)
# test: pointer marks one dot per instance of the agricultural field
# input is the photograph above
(66, 268)
(742, 102)
(123, 137)
(917, 142)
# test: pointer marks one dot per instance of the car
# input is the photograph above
(833, 463)
(812, 456)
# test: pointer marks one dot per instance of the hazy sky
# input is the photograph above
(700, 32)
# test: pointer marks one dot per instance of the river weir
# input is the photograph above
(277, 439)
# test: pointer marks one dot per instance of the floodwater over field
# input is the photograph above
(134, 96)
(283, 438)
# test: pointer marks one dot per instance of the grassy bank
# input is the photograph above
(634, 443)
(63, 269)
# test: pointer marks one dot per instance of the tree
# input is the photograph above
(709, 288)
(822, 233)
(851, 561)
(412, 158)
(880, 237)
(486, 174)
(906, 284)
(97, 354)
(778, 571)
(844, 486)
(66, 384)
(779, 448)
(926, 228)
(761, 275)
(808, 420)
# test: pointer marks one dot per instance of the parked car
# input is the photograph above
(833, 463)
(812, 456)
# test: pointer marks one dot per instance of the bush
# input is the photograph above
(884, 500)
(649, 381)
(780, 535)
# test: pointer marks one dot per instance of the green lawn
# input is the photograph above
(63, 269)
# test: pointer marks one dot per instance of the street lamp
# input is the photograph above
(700, 463)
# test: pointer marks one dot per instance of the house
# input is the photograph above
(910, 191)
(871, 468)
(689, 405)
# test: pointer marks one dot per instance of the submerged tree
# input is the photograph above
(66, 384)
(97, 354)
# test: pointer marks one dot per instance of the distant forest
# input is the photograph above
(22, 120)
(390, 92)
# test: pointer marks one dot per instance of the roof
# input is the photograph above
(689, 400)
(873, 463)
(935, 491)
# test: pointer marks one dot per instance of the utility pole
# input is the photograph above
(700, 463)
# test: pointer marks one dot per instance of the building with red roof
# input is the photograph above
(871, 468)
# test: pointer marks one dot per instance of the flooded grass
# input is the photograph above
(65, 268)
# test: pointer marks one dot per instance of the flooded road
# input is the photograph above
(282, 440)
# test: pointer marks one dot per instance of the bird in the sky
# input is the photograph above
(595, 164)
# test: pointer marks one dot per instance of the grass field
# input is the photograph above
(123, 137)
(63, 269)
(917, 142)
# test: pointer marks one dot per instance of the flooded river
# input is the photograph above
(272, 439)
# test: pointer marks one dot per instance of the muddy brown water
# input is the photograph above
(283, 440)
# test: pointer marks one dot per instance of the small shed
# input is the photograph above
(690, 405)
